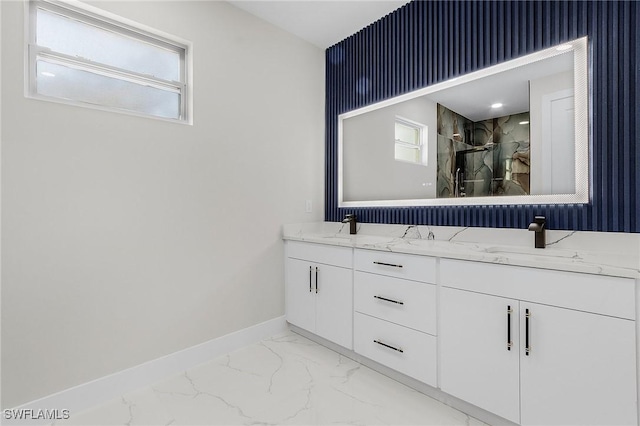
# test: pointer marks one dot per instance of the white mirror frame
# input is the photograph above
(582, 140)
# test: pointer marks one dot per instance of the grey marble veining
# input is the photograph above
(286, 379)
(603, 253)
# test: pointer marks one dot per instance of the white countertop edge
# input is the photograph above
(568, 259)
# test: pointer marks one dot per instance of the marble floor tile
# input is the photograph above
(283, 380)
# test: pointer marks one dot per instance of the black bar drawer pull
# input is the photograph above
(527, 347)
(310, 269)
(509, 343)
(316, 280)
(388, 346)
(388, 264)
(389, 300)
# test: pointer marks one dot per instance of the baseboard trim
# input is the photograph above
(95, 392)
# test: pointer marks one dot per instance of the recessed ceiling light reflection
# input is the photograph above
(524, 122)
(496, 105)
(48, 74)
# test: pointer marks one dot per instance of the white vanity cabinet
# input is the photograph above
(395, 312)
(538, 346)
(319, 290)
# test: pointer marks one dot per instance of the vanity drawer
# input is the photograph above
(418, 356)
(408, 303)
(399, 265)
(320, 253)
(599, 294)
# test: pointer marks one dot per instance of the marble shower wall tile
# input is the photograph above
(487, 172)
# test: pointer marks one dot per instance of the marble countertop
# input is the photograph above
(601, 253)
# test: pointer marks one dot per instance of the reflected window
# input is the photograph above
(410, 141)
(84, 58)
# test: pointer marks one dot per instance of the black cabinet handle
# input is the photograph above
(527, 347)
(389, 300)
(316, 280)
(509, 343)
(310, 269)
(388, 346)
(388, 264)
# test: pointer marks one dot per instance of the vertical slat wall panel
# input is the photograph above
(634, 125)
(426, 42)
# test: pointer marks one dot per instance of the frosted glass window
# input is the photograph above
(411, 155)
(64, 82)
(407, 134)
(71, 37)
(83, 58)
(410, 141)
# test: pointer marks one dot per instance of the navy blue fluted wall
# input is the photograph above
(426, 42)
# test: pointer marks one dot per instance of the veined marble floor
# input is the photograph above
(286, 379)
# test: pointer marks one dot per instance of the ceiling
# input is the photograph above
(510, 88)
(320, 22)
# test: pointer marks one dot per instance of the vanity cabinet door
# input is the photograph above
(580, 369)
(319, 299)
(476, 363)
(300, 294)
(334, 304)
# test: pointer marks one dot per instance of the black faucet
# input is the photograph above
(351, 219)
(538, 226)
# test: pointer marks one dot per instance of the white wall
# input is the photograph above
(370, 170)
(545, 154)
(125, 239)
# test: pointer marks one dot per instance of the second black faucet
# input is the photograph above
(539, 227)
(351, 220)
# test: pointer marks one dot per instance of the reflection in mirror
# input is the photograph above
(488, 157)
(515, 133)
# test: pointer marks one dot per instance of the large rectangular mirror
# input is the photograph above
(514, 133)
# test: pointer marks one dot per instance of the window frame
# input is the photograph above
(422, 137)
(121, 26)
